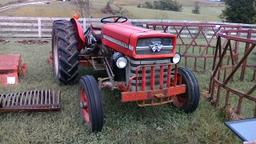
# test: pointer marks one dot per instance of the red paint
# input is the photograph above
(79, 28)
(175, 76)
(152, 76)
(129, 35)
(143, 78)
(169, 76)
(146, 95)
(172, 89)
(161, 80)
(85, 110)
(11, 67)
(137, 73)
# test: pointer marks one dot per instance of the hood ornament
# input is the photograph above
(156, 46)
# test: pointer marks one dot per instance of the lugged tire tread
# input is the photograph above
(67, 44)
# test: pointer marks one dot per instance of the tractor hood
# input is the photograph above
(136, 42)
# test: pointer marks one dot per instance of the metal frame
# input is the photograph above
(35, 100)
(169, 86)
(189, 37)
(224, 69)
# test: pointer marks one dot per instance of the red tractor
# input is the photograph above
(141, 63)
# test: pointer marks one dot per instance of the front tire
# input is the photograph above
(91, 103)
(190, 100)
(64, 51)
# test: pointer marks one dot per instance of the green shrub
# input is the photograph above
(163, 5)
(240, 11)
(196, 9)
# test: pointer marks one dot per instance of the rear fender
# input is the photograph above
(80, 32)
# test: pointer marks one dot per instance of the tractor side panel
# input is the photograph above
(117, 45)
(116, 37)
(121, 32)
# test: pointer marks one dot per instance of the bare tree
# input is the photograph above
(196, 9)
(108, 9)
(114, 9)
(84, 7)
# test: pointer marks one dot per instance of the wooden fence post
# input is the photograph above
(84, 24)
(39, 23)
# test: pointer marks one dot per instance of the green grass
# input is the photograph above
(209, 11)
(124, 123)
(5, 1)
(207, 14)
(55, 9)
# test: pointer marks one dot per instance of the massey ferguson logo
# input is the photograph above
(156, 46)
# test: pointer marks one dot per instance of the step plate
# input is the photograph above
(36, 101)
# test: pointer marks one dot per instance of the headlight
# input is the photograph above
(121, 62)
(176, 58)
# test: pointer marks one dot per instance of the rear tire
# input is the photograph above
(64, 51)
(91, 103)
(190, 100)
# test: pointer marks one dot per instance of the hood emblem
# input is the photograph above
(156, 46)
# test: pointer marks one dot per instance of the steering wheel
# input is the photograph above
(114, 19)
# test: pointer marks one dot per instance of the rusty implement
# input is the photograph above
(229, 70)
(195, 41)
(36, 101)
(11, 68)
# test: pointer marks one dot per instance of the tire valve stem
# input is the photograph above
(83, 105)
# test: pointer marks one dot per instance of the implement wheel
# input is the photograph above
(190, 100)
(91, 103)
(64, 51)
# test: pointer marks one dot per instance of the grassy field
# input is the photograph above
(5, 1)
(209, 11)
(207, 14)
(124, 123)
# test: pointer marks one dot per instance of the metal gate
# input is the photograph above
(233, 81)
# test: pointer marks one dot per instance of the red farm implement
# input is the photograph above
(141, 63)
(11, 68)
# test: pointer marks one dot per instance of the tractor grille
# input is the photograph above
(145, 46)
(159, 70)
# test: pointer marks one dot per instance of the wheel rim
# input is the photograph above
(55, 57)
(84, 104)
(180, 100)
